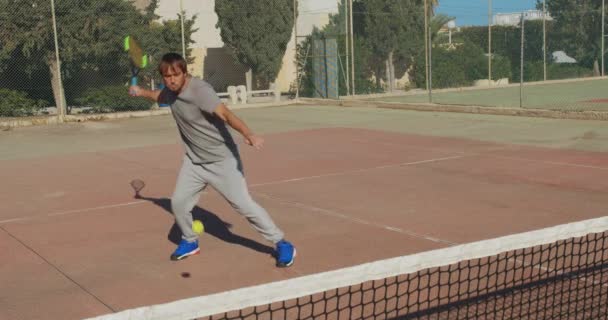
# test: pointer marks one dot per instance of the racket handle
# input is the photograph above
(133, 83)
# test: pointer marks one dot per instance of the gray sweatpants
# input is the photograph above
(225, 177)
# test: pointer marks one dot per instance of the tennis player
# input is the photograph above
(211, 156)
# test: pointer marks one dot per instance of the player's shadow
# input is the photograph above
(213, 226)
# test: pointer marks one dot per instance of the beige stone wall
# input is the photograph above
(196, 68)
(287, 74)
(141, 4)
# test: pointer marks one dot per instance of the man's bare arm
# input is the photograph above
(239, 125)
(137, 91)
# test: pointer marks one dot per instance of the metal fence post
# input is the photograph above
(489, 42)
(521, 70)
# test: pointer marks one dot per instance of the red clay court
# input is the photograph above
(348, 187)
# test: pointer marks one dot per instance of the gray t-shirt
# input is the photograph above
(205, 135)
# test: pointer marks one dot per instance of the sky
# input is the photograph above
(314, 12)
(466, 12)
(475, 12)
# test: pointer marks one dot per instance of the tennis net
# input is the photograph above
(554, 273)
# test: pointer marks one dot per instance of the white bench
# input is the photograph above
(231, 94)
(239, 94)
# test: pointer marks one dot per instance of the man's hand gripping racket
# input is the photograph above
(137, 59)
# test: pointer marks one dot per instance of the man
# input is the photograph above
(211, 158)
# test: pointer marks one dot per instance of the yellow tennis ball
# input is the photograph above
(198, 227)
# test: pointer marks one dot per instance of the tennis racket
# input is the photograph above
(137, 58)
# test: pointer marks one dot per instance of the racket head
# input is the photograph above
(136, 54)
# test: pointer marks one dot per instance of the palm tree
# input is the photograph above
(433, 4)
(437, 22)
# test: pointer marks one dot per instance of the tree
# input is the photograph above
(506, 42)
(85, 29)
(578, 26)
(433, 4)
(90, 37)
(257, 32)
(394, 30)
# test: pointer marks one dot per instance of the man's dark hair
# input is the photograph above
(172, 60)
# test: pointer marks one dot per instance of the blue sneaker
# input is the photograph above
(286, 254)
(185, 249)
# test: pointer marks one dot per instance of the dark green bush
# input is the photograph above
(567, 71)
(533, 71)
(448, 70)
(501, 67)
(18, 104)
(112, 99)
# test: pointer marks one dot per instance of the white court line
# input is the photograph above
(336, 214)
(285, 290)
(406, 146)
(356, 171)
(332, 213)
(497, 148)
(251, 186)
(566, 164)
(97, 208)
(74, 211)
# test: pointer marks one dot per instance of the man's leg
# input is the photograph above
(229, 181)
(187, 192)
(227, 178)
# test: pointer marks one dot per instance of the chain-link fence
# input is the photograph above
(546, 57)
(67, 57)
(27, 59)
(323, 51)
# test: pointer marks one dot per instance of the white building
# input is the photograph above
(514, 19)
(213, 60)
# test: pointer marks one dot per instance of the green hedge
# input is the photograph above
(506, 40)
(567, 71)
(18, 104)
(111, 99)
(501, 67)
(533, 71)
(459, 67)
